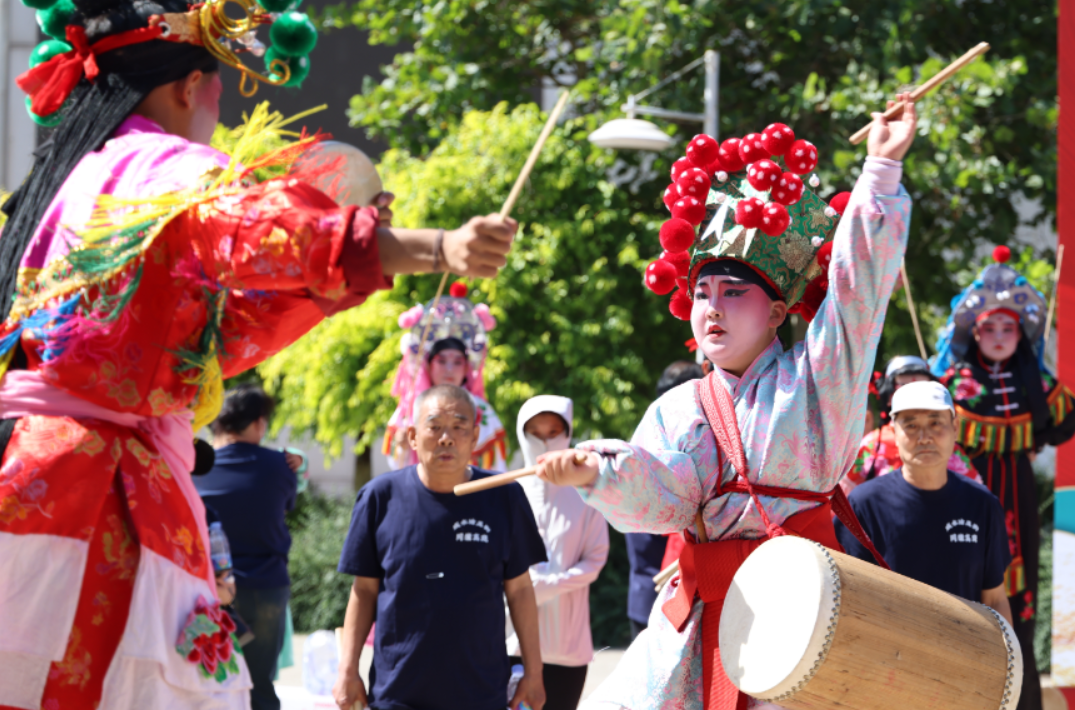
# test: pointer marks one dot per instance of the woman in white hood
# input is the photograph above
(576, 540)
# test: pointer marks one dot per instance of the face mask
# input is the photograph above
(533, 447)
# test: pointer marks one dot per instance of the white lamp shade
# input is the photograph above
(630, 134)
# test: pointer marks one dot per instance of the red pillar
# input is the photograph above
(1065, 223)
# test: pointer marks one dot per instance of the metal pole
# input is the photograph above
(712, 87)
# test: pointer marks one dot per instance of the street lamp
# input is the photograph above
(635, 134)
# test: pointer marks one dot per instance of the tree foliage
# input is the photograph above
(575, 318)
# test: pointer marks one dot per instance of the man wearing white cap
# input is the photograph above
(930, 523)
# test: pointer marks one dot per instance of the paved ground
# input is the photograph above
(602, 665)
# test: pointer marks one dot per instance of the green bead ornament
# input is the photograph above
(47, 50)
(292, 34)
(55, 19)
(300, 67)
(278, 5)
(39, 4)
(50, 121)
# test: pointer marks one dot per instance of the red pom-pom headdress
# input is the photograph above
(744, 199)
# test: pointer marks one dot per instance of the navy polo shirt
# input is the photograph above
(442, 560)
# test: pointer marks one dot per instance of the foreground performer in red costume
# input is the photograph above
(138, 268)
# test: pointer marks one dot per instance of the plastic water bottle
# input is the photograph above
(513, 682)
(320, 662)
(219, 550)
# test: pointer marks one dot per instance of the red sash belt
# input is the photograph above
(707, 569)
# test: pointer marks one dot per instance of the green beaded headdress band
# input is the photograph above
(58, 64)
(744, 199)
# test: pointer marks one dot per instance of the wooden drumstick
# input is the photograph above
(505, 210)
(939, 78)
(665, 575)
(503, 479)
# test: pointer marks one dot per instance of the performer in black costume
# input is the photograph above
(1010, 406)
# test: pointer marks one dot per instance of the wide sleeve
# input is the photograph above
(584, 572)
(286, 256)
(836, 360)
(655, 483)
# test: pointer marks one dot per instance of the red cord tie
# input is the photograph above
(50, 83)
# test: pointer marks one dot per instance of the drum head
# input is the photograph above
(777, 615)
(341, 171)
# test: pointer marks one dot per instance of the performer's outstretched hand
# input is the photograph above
(480, 246)
(569, 468)
(892, 139)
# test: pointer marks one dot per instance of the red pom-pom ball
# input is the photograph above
(788, 189)
(679, 259)
(680, 305)
(763, 174)
(677, 235)
(730, 159)
(458, 290)
(679, 166)
(801, 157)
(777, 138)
(748, 212)
(694, 182)
(690, 209)
(1001, 254)
(702, 151)
(774, 219)
(752, 149)
(824, 255)
(839, 202)
(671, 194)
(660, 277)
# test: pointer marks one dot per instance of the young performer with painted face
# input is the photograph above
(788, 423)
(139, 268)
(453, 353)
(1009, 406)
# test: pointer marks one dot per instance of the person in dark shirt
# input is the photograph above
(929, 523)
(252, 488)
(645, 551)
(433, 568)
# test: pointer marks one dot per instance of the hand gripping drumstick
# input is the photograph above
(939, 78)
(503, 479)
(509, 203)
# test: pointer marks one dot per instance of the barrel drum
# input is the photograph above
(807, 627)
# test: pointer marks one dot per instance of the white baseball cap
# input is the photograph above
(922, 395)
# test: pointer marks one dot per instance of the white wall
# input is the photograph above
(18, 134)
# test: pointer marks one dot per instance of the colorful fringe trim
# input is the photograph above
(1015, 577)
(1061, 403)
(997, 435)
(485, 457)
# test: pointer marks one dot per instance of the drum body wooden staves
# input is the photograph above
(806, 627)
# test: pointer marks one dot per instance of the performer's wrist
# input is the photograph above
(438, 252)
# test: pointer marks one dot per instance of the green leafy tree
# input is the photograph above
(819, 65)
(574, 318)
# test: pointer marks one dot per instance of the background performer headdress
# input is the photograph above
(998, 287)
